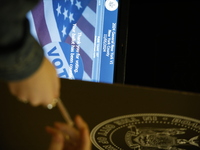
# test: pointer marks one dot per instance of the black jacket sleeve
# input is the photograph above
(20, 54)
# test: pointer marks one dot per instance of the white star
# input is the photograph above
(58, 9)
(71, 18)
(78, 4)
(64, 31)
(72, 2)
(65, 14)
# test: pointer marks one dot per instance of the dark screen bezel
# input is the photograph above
(121, 41)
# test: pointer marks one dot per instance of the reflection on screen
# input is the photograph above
(78, 37)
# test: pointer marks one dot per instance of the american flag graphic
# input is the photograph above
(66, 31)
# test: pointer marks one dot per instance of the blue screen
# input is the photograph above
(78, 37)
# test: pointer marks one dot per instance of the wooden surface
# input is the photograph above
(22, 126)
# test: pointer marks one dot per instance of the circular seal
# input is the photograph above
(147, 132)
(111, 5)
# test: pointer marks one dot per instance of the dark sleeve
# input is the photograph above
(20, 54)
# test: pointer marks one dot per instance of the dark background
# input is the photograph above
(163, 45)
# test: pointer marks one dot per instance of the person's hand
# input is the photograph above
(41, 88)
(66, 137)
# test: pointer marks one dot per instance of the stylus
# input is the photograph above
(64, 112)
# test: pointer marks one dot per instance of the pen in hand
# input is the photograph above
(64, 113)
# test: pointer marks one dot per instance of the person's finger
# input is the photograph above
(57, 140)
(81, 124)
(16, 91)
(84, 133)
(57, 84)
(35, 100)
(85, 140)
(22, 99)
(66, 129)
